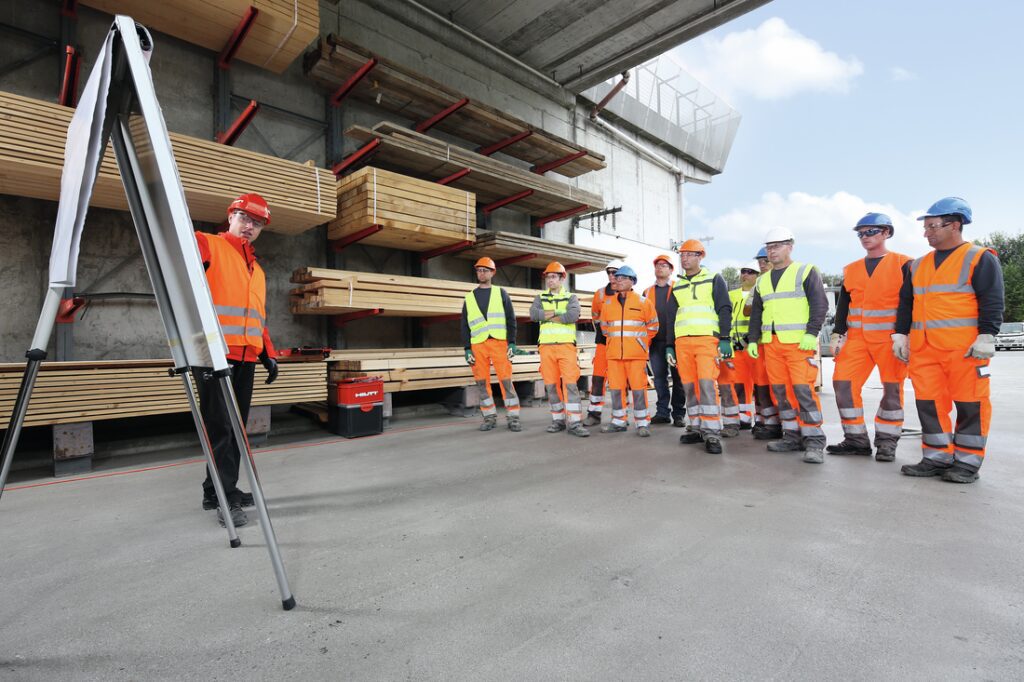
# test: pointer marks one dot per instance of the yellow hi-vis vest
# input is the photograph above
(696, 315)
(552, 331)
(740, 322)
(786, 306)
(490, 326)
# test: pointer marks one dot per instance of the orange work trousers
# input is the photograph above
(559, 363)
(597, 379)
(697, 363)
(736, 389)
(628, 375)
(494, 352)
(792, 373)
(765, 410)
(854, 364)
(943, 379)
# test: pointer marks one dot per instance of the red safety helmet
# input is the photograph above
(252, 204)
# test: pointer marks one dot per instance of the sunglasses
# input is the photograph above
(871, 232)
(748, 271)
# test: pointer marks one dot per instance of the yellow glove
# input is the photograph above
(809, 342)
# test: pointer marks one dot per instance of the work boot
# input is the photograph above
(846, 447)
(238, 516)
(211, 502)
(690, 438)
(556, 426)
(593, 419)
(745, 426)
(578, 430)
(885, 453)
(489, 422)
(730, 432)
(925, 467)
(661, 419)
(613, 428)
(785, 445)
(643, 432)
(773, 432)
(514, 425)
(814, 456)
(678, 422)
(712, 445)
(958, 473)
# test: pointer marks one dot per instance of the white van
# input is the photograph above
(1010, 336)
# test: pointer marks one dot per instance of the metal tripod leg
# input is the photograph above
(28, 380)
(245, 454)
(204, 438)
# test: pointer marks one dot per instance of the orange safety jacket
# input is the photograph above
(874, 298)
(238, 287)
(629, 327)
(601, 296)
(945, 306)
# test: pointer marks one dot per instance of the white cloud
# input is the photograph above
(899, 74)
(772, 61)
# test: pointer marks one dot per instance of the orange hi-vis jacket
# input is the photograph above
(601, 296)
(874, 298)
(945, 306)
(239, 291)
(629, 326)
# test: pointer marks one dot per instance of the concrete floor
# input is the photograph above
(435, 552)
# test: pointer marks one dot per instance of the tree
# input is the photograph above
(731, 276)
(832, 280)
(1011, 255)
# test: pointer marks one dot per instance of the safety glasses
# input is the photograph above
(748, 271)
(870, 232)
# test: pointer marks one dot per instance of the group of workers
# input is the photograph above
(747, 359)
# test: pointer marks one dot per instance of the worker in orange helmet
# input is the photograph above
(557, 311)
(951, 304)
(629, 323)
(670, 407)
(238, 287)
(865, 319)
(600, 371)
(489, 338)
(702, 312)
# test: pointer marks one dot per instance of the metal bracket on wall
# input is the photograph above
(557, 163)
(450, 248)
(237, 38)
(69, 83)
(234, 131)
(360, 155)
(342, 320)
(424, 126)
(340, 244)
(341, 93)
(454, 176)
(562, 215)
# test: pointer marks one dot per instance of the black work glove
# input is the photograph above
(269, 364)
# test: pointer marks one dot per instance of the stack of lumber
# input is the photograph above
(415, 215)
(281, 31)
(411, 369)
(32, 137)
(336, 292)
(490, 179)
(413, 96)
(67, 392)
(501, 245)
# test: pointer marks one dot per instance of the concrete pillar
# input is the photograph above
(257, 426)
(72, 449)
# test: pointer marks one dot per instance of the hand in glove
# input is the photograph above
(670, 356)
(752, 350)
(836, 343)
(269, 364)
(983, 348)
(513, 349)
(808, 342)
(901, 347)
(470, 358)
(725, 348)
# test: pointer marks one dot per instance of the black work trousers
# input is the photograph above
(216, 416)
(671, 401)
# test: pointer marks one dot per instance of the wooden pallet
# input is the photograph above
(415, 97)
(415, 215)
(32, 138)
(333, 292)
(413, 369)
(490, 179)
(68, 392)
(501, 245)
(281, 31)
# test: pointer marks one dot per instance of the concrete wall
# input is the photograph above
(184, 76)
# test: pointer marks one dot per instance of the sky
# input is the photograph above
(852, 106)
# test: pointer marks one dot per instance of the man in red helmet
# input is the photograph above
(239, 290)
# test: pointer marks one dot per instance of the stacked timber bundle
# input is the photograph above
(279, 33)
(531, 252)
(413, 96)
(336, 292)
(34, 132)
(490, 179)
(67, 392)
(414, 215)
(412, 369)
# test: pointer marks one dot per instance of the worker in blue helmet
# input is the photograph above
(766, 412)
(762, 260)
